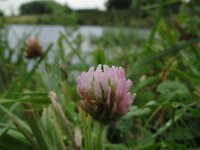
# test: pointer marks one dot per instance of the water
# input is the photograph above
(50, 33)
(47, 34)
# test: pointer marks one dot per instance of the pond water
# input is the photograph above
(47, 34)
(50, 33)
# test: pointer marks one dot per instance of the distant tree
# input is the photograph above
(42, 7)
(150, 6)
(118, 4)
(35, 8)
(194, 6)
(1, 13)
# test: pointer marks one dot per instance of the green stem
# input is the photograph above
(88, 119)
(100, 128)
(84, 128)
(153, 114)
(59, 111)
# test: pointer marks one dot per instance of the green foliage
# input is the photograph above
(172, 90)
(84, 17)
(1, 14)
(42, 7)
(162, 61)
(118, 4)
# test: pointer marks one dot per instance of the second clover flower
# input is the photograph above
(105, 93)
(33, 48)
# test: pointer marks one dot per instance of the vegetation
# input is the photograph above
(163, 64)
(43, 19)
(118, 4)
(42, 7)
(46, 12)
(1, 13)
(84, 18)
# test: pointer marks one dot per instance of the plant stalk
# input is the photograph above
(100, 129)
(58, 109)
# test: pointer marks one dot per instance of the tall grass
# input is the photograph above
(164, 66)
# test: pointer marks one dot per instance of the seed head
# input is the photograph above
(33, 48)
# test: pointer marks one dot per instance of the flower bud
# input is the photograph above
(105, 93)
(33, 48)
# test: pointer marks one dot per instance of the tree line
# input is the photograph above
(141, 7)
(42, 7)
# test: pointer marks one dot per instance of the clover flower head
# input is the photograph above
(105, 93)
(33, 48)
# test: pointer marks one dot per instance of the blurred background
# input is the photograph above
(45, 44)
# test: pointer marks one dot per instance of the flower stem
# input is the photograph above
(59, 111)
(85, 129)
(100, 129)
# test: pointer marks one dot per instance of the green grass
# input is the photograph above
(164, 67)
(84, 18)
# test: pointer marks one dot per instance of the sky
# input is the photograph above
(11, 6)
